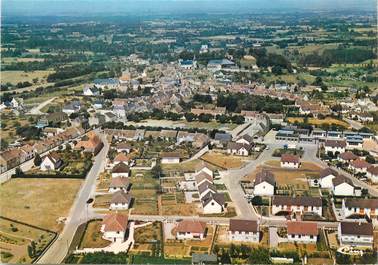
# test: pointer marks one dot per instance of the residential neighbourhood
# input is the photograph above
(212, 138)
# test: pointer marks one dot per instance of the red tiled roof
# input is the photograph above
(191, 226)
(115, 222)
(289, 158)
(301, 228)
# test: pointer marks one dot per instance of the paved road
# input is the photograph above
(37, 110)
(355, 124)
(78, 214)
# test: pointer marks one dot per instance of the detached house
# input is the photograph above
(190, 229)
(124, 147)
(362, 207)
(245, 139)
(335, 146)
(119, 184)
(121, 158)
(244, 231)
(170, 157)
(92, 145)
(356, 234)
(264, 184)
(205, 188)
(213, 203)
(114, 227)
(303, 233)
(359, 166)
(343, 186)
(372, 174)
(120, 201)
(120, 170)
(326, 177)
(290, 161)
(299, 205)
(91, 91)
(51, 161)
(240, 149)
(347, 157)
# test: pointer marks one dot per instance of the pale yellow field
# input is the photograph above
(14, 77)
(314, 121)
(39, 202)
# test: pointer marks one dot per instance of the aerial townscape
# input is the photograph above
(189, 132)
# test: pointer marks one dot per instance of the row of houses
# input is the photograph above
(14, 157)
(198, 140)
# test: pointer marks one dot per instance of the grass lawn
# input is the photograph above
(222, 160)
(39, 202)
(102, 201)
(15, 239)
(318, 122)
(145, 201)
(93, 237)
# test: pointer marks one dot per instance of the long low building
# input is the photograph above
(299, 205)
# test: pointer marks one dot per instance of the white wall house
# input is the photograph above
(326, 177)
(300, 205)
(264, 184)
(120, 201)
(114, 227)
(120, 170)
(290, 161)
(170, 158)
(359, 206)
(372, 174)
(239, 149)
(51, 161)
(359, 166)
(335, 146)
(213, 203)
(302, 233)
(119, 184)
(355, 234)
(190, 229)
(244, 231)
(343, 187)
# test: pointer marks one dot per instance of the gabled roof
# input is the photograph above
(203, 176)
(328, 171)
(206, 186)
(361, 203)
(121, 197)
(121, 157)
(115, 222)
(238, 146)
(373, 170)
(340, 180)
(119, 182)
(301, 228)
(124, 145)
(354, 228)
(170, 155)
(359, 163)
(121, 168)
(335, 143)
(191, 226)
(218, 197)
(265, 176)
(289, 158)
(238, 225)
(348, 156)
(246, 137)
(302, 200)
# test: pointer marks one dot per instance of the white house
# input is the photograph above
(359, 206)
(121, 158)
(245, 139)
(290, 161)
(120, 170)
(244, 231)
(343, 186)
(52, 161)
(170, 158)
(114, 227)
(347, 157)
(119, 184)
(359, 166)
(203, 168)
(326, 177)
(91, 91)
(302, 233)
(240, 149)
(120, 201)
(202, 178)
(205, 188)
(372, 174)
(191, 229)
(335, 146)
(264, 184)
(302, 204)
(188, 64)
(124, 147)
(213, 203)
(356, 234)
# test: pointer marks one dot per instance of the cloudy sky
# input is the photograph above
(142, 7)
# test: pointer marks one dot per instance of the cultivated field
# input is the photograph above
(93, 237)
(222, 160)
(319, 122)
(14, 77)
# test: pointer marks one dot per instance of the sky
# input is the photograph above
(157, 7)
